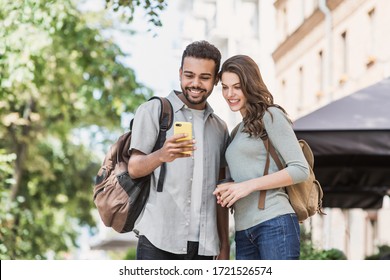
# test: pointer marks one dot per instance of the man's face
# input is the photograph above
(197, 80)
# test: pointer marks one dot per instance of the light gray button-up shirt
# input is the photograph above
(165, 220)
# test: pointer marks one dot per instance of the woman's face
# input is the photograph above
(232, 92)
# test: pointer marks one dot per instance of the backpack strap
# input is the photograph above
(234, 132)
(274, 156)
(166, 120)
(270, 151)
(263, 193)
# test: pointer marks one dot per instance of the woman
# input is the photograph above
(272, 232)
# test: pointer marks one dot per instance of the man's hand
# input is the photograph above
(141, 164)
(174, 149)
(224, 254)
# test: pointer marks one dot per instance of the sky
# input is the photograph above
(152, 54)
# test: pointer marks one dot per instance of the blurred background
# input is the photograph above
(73, 72)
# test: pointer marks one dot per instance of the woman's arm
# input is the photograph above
(227, 195)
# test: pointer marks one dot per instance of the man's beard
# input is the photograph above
(192, 101)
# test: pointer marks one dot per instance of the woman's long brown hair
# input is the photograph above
(256, 92)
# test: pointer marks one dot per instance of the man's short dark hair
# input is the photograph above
(204, 50)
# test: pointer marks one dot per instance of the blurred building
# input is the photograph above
(327, 50)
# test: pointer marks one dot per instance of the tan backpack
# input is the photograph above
(305, 197)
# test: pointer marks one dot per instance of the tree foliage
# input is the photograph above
(310, 252)
(58, 75)
(383, 253)
(127, 8)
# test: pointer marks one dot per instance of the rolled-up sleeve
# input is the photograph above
(146, 127)
(283, 138)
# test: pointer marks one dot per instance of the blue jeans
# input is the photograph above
(147, 251)
(275, 239)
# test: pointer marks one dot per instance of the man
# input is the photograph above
(183, 221)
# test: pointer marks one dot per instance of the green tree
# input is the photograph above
(382, 254)
(310, 252)
(58, 77)
(127, 8)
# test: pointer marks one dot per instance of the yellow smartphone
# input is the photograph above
(183, 127)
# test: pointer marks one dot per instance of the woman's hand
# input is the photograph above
(220, 189)
(227, 194)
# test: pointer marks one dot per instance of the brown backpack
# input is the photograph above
(119, 198)
(305, 197)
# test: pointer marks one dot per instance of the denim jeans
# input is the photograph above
(275, 239)
(147, 251)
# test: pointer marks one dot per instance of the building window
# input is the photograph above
(284, 23)
(249, 18)
(321, 77)
(344, 58)
(371, 58)
(283, 89)
(303, 11)
(301, 93)
(315, 4)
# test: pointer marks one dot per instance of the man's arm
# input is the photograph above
(223, 232)
(223, 227)
(143, 161)
(141, 164)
